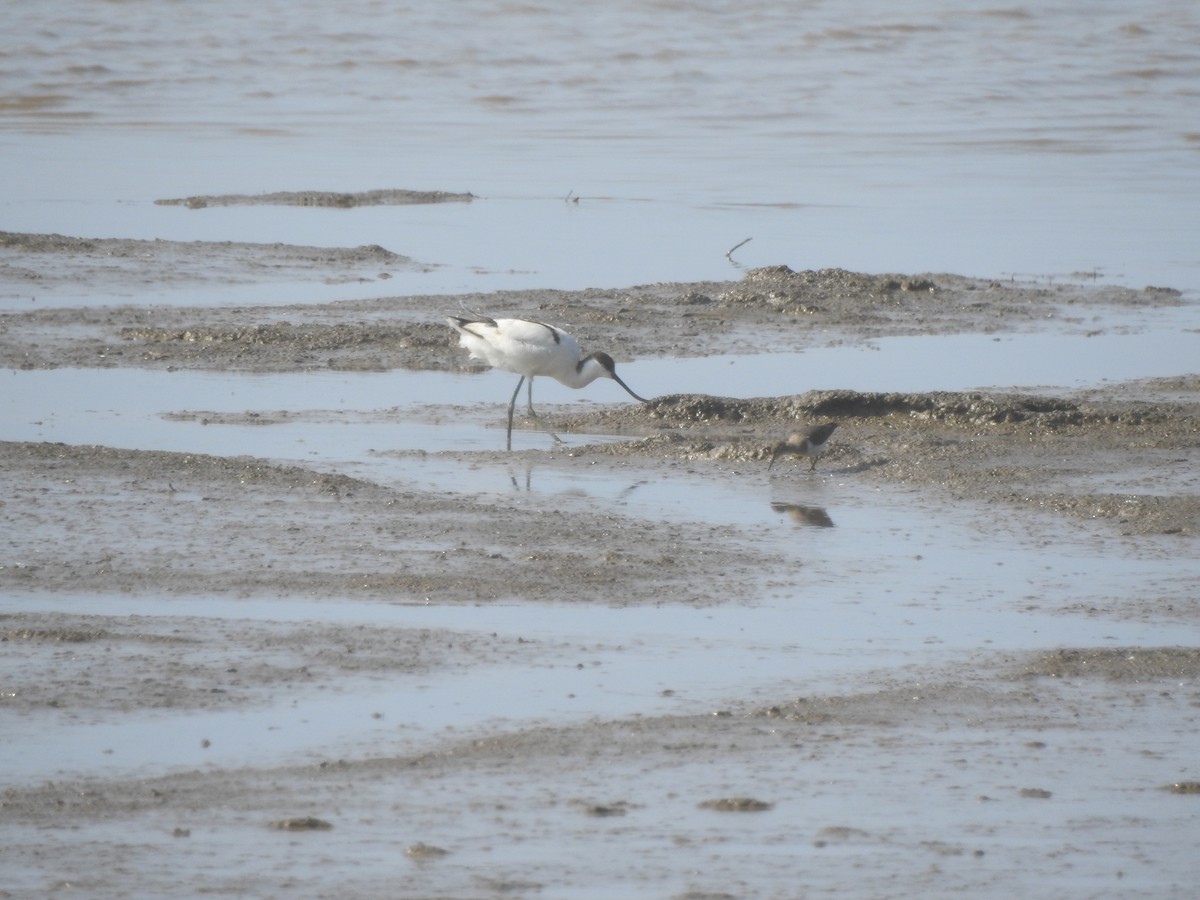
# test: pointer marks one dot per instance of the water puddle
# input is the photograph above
(1060, 361)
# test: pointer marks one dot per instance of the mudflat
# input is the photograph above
(1014, 768)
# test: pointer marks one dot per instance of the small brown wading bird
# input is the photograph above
(811, 443)
(532, 348)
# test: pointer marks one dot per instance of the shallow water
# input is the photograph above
(941, 137)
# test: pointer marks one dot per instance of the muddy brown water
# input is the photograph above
(1011, 766)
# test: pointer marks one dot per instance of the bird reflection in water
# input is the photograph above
(804, 515)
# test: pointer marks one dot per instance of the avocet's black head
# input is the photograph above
(610, 371)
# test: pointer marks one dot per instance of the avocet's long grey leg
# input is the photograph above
(533, 415)
(511, 406)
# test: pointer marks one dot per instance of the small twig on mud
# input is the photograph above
(729, 252)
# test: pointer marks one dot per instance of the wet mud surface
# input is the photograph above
(251, 528)
(36, 264)
(740, 795)
(772, 307)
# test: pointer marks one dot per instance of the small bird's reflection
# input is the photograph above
(804, 515)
